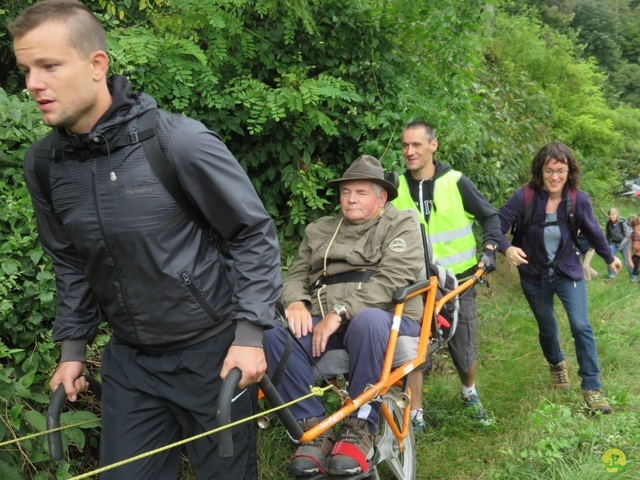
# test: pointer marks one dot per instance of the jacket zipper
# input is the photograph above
(198, 296)
(104, 238)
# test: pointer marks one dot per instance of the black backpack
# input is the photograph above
(159, 162)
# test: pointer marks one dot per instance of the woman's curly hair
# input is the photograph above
(559, 152)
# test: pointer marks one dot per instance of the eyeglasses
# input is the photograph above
(561, 173)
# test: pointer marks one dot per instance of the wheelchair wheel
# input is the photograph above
(402, 464)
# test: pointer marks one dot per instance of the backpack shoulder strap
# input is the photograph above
(167, 175)
(570, 210)
(164, 169)
(529, 205)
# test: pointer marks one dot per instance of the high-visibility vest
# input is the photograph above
(449, 230)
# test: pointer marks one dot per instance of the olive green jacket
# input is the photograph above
(389, 244)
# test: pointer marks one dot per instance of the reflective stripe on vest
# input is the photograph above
(449, 230)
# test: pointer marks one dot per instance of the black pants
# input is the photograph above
(152, 400)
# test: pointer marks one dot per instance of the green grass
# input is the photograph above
(539, 434)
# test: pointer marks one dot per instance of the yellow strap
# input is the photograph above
(46, 432)
(315, 391)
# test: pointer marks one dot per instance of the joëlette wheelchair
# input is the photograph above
(395, 442)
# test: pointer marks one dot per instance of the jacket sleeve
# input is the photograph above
(217, 184)
(78, 315)
(590, 227)
(477, 205)
(510, 213)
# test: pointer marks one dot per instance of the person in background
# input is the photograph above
(183, 312)
(633, 252)
(448, 203)
(549, 264)
(338, 293)
(617, 232)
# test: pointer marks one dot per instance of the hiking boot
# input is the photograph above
(596, 401)
(418, 426)
(312, 457)
(421, 425)
(353, 450)
(560, 376)
(476, 410)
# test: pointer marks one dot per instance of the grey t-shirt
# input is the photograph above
(552, 236)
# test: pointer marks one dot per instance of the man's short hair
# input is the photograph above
(85, 32)
(431, 132)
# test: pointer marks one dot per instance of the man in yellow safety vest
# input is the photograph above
(448, 203)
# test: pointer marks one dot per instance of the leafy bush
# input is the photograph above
(27, 307)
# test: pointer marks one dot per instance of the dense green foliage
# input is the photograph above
(300, 88)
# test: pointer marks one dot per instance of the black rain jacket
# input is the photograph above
(121, 245)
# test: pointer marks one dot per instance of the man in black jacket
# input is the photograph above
(183, 313)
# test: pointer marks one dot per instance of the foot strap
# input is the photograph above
(353, 452)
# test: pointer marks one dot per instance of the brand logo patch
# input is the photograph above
(138, 191)
(398, 245)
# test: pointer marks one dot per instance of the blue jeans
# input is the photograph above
(573, 295)
(623, 251)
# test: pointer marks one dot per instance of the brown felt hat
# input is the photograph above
(367, 168)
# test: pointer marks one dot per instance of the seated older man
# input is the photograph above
(338, 294)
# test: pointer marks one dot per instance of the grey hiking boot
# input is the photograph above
(476, 410)
(353, 450)
(312, 458)
(560, 376)
(596, 401)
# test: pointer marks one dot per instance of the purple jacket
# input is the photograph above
(533, 240)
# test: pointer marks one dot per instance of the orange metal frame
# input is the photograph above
(393, 377)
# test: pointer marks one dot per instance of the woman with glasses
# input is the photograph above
(549, 262)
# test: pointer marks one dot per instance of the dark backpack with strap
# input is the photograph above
(158, 161)
(519, 230)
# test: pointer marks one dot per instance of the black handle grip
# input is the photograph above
(53, 416)
(223, 413)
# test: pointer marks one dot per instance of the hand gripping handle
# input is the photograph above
(53, 416)
(223, 413)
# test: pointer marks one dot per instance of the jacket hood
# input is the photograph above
(125, 105)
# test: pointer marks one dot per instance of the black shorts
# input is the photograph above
(463, 346)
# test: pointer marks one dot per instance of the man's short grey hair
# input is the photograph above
(378, 189)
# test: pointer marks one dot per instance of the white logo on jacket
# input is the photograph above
(398, 245)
